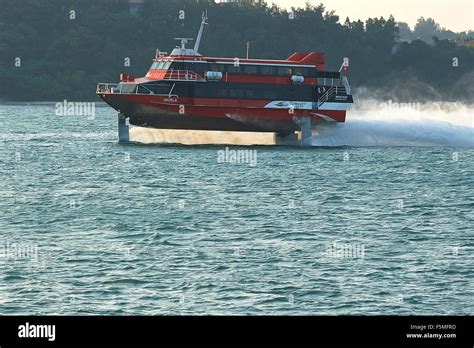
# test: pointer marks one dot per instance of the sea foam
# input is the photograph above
(375, 123)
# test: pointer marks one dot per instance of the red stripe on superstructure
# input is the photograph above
(156, 74)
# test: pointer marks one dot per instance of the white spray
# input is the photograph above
(375, 123)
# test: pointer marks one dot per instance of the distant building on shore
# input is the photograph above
(464, 42)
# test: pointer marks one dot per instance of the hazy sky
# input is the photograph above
(456, 15)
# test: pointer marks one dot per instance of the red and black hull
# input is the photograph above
(210, 114)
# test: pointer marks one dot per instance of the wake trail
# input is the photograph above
(373, 123)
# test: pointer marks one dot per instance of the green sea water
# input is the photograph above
(91, 226)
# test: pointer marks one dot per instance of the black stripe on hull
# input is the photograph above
(143, 115)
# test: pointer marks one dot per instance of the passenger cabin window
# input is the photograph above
(301, 72)
(218, 67)
(177, 66)
(267, 70)
(251, 94)
(232, 69)
(283, 71)
(196, 67)
(142, 90)
(269, 94)
(249, 69)
(236, 93)
(222, 93)
(158, 89)
(329, 74)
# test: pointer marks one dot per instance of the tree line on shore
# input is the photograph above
(60, 49)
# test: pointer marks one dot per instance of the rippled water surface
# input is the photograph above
(89, 226)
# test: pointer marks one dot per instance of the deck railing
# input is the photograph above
(183, 75)
(132, 88)
(107, 88)
(335, 90)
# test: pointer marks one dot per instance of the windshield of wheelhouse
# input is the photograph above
(160, 65)
(126, 87)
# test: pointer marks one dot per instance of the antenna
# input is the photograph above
(203, 23)
(184, 41)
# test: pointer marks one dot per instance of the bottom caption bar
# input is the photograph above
(37, 331)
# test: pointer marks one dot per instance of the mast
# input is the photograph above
(203, 23)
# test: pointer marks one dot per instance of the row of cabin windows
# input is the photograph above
(242, 69)
(329, 74)
(234, 93)
(185, 90)
(281, 92)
